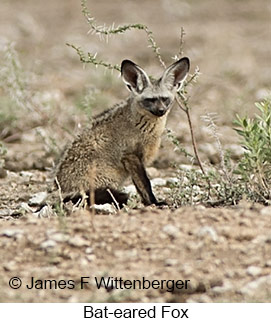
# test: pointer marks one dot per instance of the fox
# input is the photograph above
(123, 140)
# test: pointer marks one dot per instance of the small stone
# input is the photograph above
(45, 212)
(26, 175)
(254, 271)
(59, 237)
(200, 207)
(12, 233)
(5, 212)
(262, 94)
(89, 250)
(10, 266)
(158, 182)
(104, 208)
(38, 198)
(266, 211)
(204, 299)
(130, 189)
(48, 244)
(153, 172)
(171, 230)
(258, 284)
(186, 269)
(208, 231)
(173, 181)
(268, 239)
(171, 262)
(166, 190)
(91, 257)
(78, 242)
(222, 289)
(26, 207)
(83, 262)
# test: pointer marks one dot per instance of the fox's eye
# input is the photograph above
(166, 101)
(149, 101)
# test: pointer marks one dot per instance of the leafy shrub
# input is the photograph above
(255, 165)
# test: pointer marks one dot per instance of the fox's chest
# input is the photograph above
(151, 141)
(150, 151)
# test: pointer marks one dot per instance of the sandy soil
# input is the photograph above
(224, 252)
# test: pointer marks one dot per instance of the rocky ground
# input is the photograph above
(224, 252)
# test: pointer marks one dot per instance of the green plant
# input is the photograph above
(255, 165)
(3, 151)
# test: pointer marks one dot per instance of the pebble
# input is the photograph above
(26, 175)
(166, 190)
(171, 262)
(204, 299)
(266, 211)
(78, 242)
(158, 182)
(26, 207)
(38, 198)
(48, 244)
(104, 208)
(91, 257)
(153, 172)
(12, 233)
(173, 180)
(258, 284)
(10, 266)
(254, 271)
(130, 189)
(208, 231)
(187, 270)
(222, 289)
(89, 250)
(171, 230)
(262, 93)
(5, 212)
(59, 237)
(45, 212)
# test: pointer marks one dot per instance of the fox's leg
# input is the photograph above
(135, 167)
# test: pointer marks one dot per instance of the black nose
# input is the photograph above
(158, 112)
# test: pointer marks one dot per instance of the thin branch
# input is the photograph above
(114, 200)
(108, 31)
(186, 110)
(60, 195)
(181, 43)
(209, 119)
(92, 59)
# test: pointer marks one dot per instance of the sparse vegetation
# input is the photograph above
(213, 185)
(226, 185)
(223, 250)
(254, 168)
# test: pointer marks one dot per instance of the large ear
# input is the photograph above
(134, 76)
(176, 73)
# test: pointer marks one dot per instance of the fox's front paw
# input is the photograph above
(161, 204)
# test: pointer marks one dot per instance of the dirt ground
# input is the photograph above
(224, 252)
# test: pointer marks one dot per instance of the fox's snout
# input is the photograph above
(158, 111)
